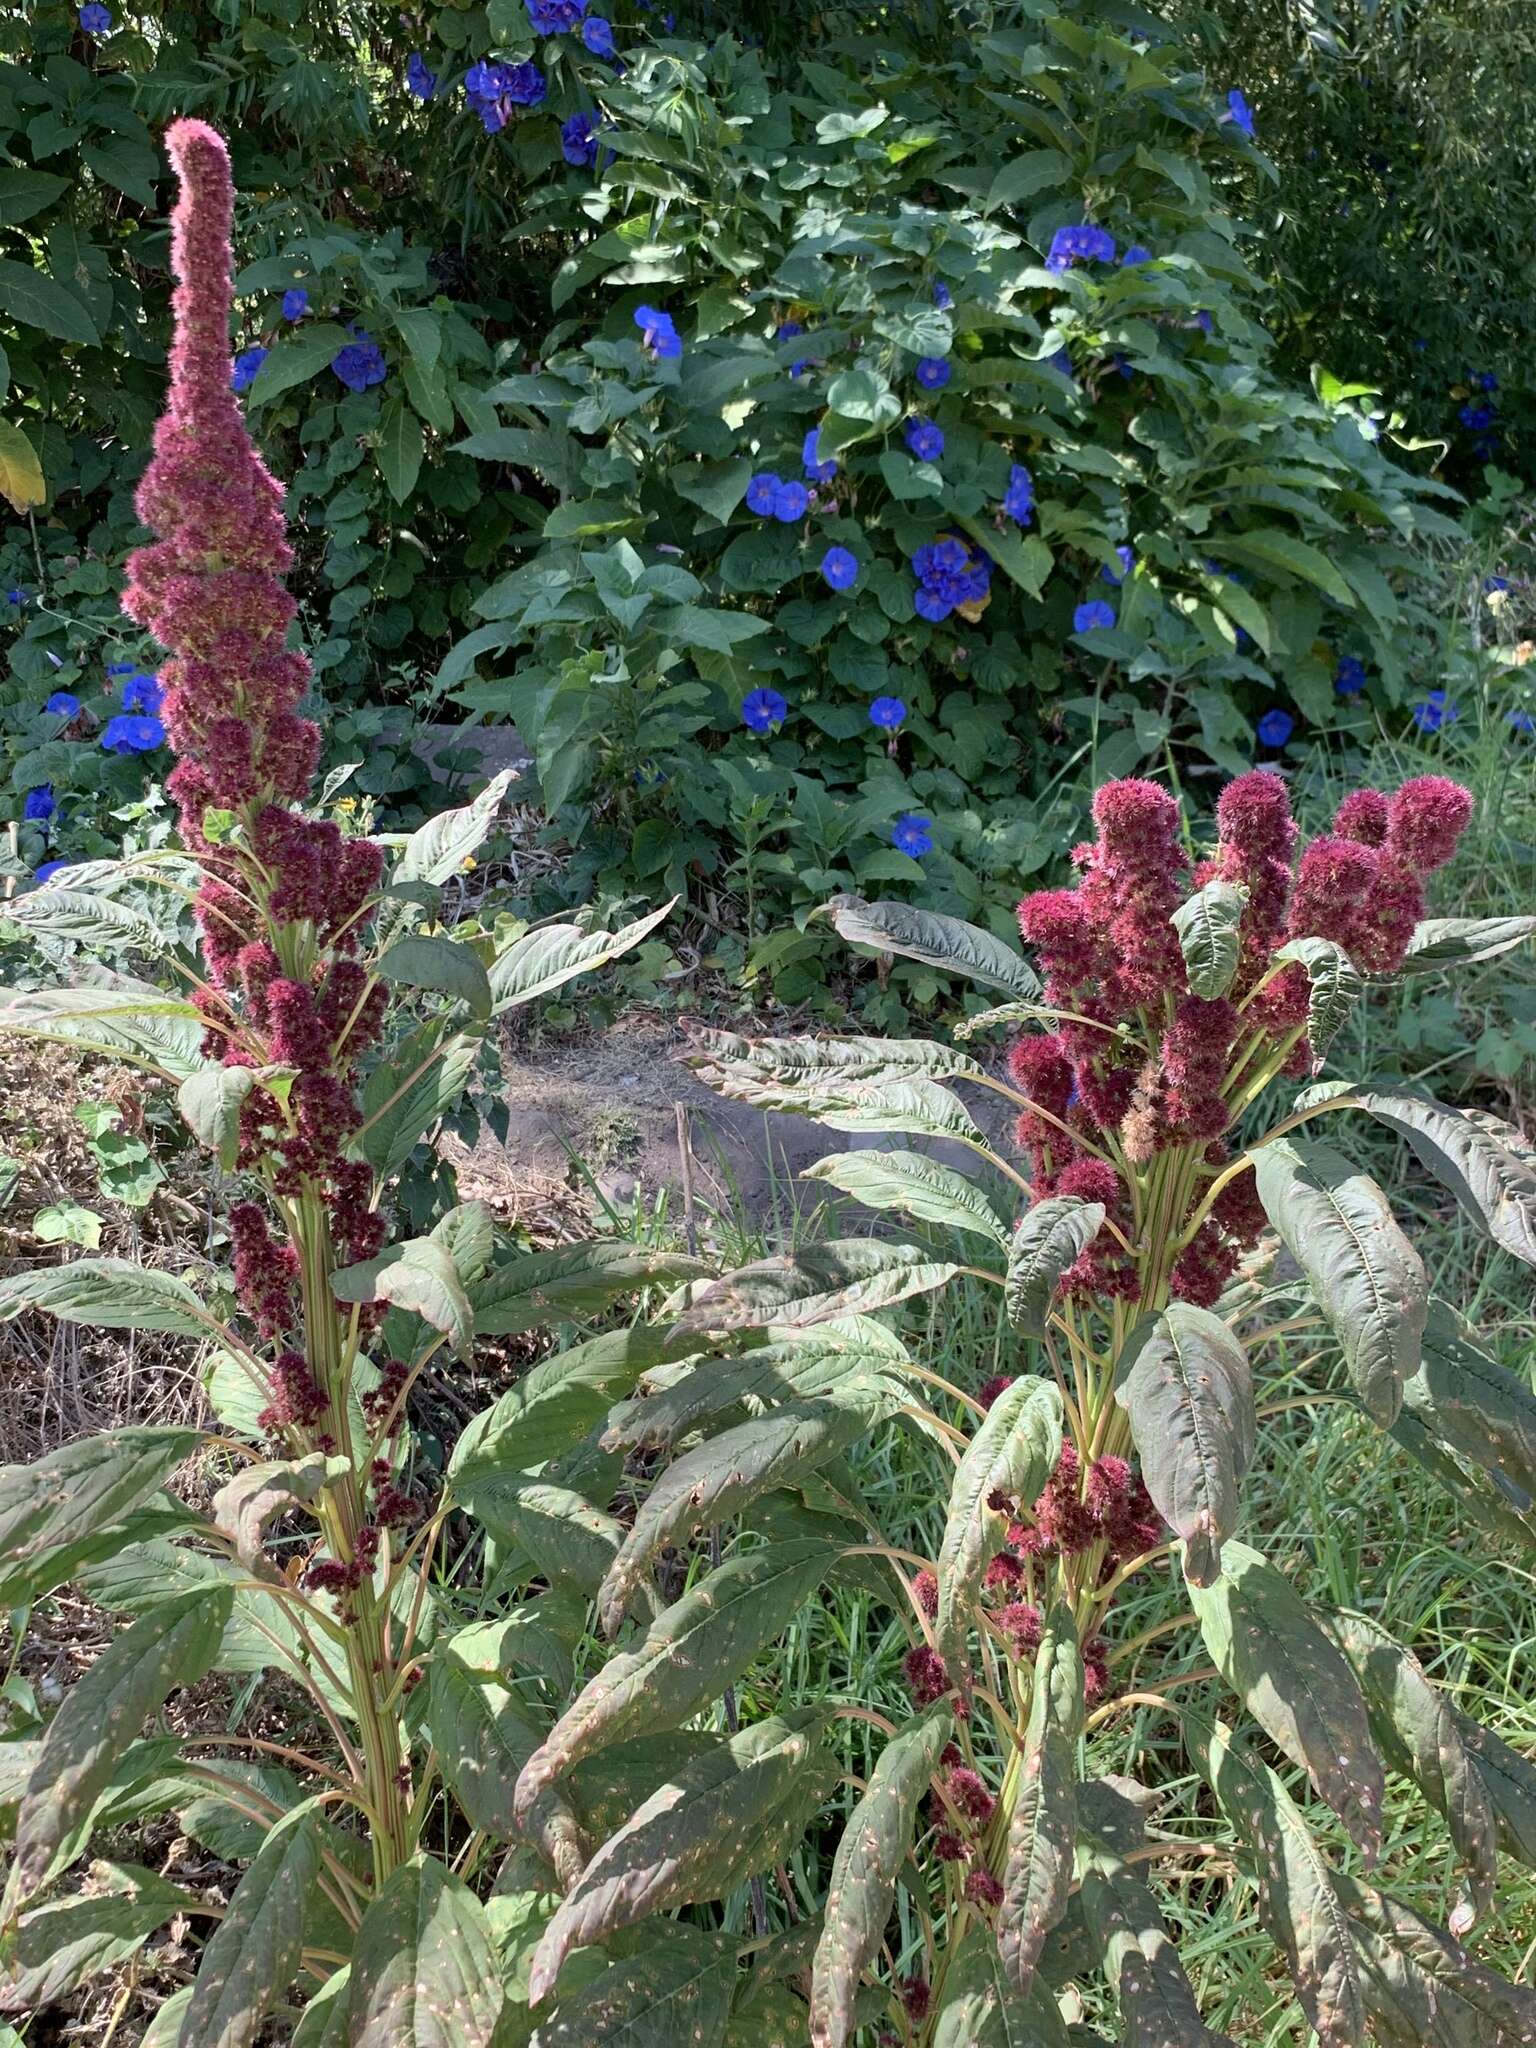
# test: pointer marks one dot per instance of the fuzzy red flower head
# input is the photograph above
(1253, 816)
(1362, 816)
(1425, 819)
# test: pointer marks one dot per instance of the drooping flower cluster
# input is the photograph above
(496, 92)
(210, 588)
(1148, 1064)
(950, 577)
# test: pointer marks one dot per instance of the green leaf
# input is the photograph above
(1271, 548)
(1335, 986)
(1510, 1784)
(164, 1034)
(1459, 941)
(714, 1482)
(1486, 1163)
(482, 1736)
(688, 1655)
(1422, 1988)
(21, 473)
(74, 1492)
(1369, 1281)
(875, 1843)
(1140, 1964)
(295, 360)
(439, 849)
(244, 1505)
(1051, 1236)
(1032, 171)
(419, 1276)
(23, 193)
(1013, 1452)
(776, 1072)
(1419, 1733)
(542, 960)
(982, 2009)
(1265, 1643)
(919, 1108)
(1210, 929)
(62, 912)
(1297, 1904)
(1183, 1380)
(34, 300)
(109, 1294)
(400, 449)
(401, 1110)
(1469, 1402)
(1042, 1830)
(675, 1993)
(55, 1948)
(948, 943)
(253, 1954)
(424, 1969)
(444, 965)
(571, 1280)
(705, 1829)
(128, 163)
(842, 1277)
(916, 1185)
(210, 1100)
(323, 2022)
(174, 1645)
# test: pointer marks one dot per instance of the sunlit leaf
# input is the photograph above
(1011, 1456)
(1042, 1829)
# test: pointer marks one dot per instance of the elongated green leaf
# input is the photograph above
(674, 1993)
(843, 1277)
(404, 1098)
(171, 1646)
(156, 1030)
(1486, 1163)
(210, 1101)
(245, 1504)
(714, 1482)
(438, 849)
(424, 1970)
(1459, 941)
(1467, 1400)
(874, 1845)
(1419, 1734)
(417, 1275)
(701, 1832)
(688, 1655)
(35, 300)
(1297, 1903)
(541, 960)
(1140, 1964)
(323, 2022)
(482, 1734)
(55, 1948)
(1050, 1237)
(1335, 985)
(764, 1069)
(1479, 1499)
(77, 1490)
(1296, 1684)
(1369, 1281)
(60, 912)
(948, 943)
(1272, 548)
(856, 1362)
(1183, 1379)
(1509, 1781)
(444, 965)
(110, 1294)
(566, 1539)
(1210, 929)
(553, 1407)
(1422, 1988)
(1013, 1454)
(983, 2009)
(253, 1955)
(916, 1185)
(1042, 1831)
(572, 1279)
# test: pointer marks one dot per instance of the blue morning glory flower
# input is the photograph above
(39, 804)
(578, 139)
(1275, 727)
(1127, 563)
(143, 693)
(493, 90)
(1083, 243)
(1493, 584)
(1476, 417)
(553, 17)
(658, 334)
(1019, 499)
(943, 297)
(131, 734)
(63, 704)
(1062, 361)
(948, 574)
(96, 20)
(1435, 712)
(420, 81)
(789, 502)
(840, 568)
(597, 34)
(913, 835)
(924, 439)
(1204, 321)
(295, 302)
(791, 330)
(48, 870)
(817, 471)
(1522, 721)
(1485, 380)
(887, 713)
(360, 363)
(1239, 113)
(1349, 676)
(16, 597)
(1094, 616)
(932, 372)
(760, 493)
(247, 363)
(764, 709)
(1135, 255)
